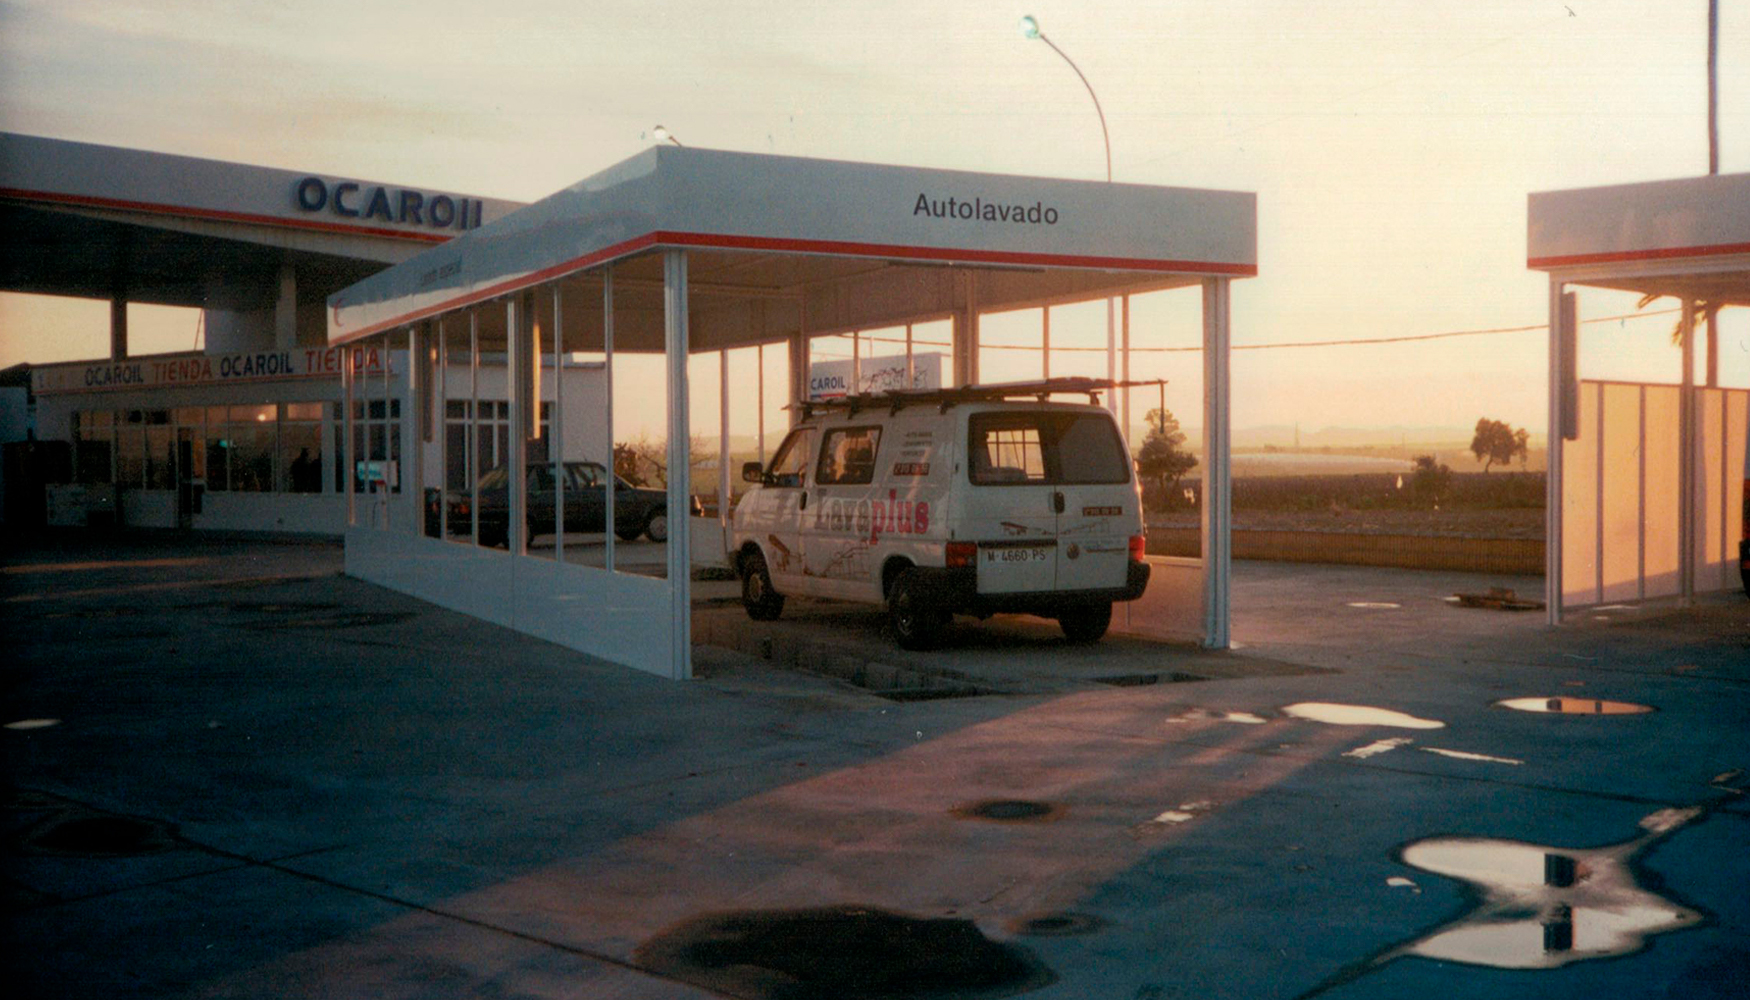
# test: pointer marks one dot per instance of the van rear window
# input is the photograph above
(1045, 449)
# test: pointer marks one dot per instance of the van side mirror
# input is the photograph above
(752, 472)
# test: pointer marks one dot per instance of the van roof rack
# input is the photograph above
(898, 399)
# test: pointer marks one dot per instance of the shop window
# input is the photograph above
(251, 435)
(218, 458)
(130, 455)
(93, 446)
(160, 457)
(300, 448)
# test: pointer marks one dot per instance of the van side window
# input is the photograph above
(1044, 448)
(1006, 449)
(847, 456)
(792, 458)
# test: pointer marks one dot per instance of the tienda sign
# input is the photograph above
(207, 369)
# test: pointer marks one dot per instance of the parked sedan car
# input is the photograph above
(637, 511)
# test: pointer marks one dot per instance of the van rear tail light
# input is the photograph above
(1138, 548)
(960, 555)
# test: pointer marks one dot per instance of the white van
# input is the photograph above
(967, 501)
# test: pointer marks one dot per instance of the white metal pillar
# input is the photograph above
(555, 430)
(1688, 468)
(1217, 467)
(349, 356)
(723, 488)
(612, 485)
(516, 363)
(441, 414)
(413, 414)
(1552, 490)
(680, 576)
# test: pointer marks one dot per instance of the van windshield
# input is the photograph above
(1041, 448)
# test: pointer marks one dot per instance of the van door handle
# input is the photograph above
(1056, 502)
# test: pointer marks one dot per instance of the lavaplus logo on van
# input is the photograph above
(873, 518)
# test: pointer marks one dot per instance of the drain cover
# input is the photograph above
(831, 953)
(1009, 810)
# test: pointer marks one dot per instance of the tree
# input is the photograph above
(1497, 442)
(1161, 458)
(1431, 481)
(628, 464)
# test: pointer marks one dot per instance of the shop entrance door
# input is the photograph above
(189, 482)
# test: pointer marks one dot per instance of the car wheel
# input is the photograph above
(657, 527)
(916, 623)
(1086, 624)
(763, 603)
(627, 534)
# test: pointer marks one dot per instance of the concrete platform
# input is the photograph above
(240, 774)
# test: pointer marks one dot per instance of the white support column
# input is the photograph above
(386, 496)
(1125, 423)
(1112, 358)
(474, 425)
(1045, 343)
(1552, 490)
(723, 490)
(760, 363)
(349, 354)
(413, 432)
(608, 415)
(555, 430)
(1687, 467)
(798, 370)
(516, 363)
(442, 416)
(680, 576)
(285, 309)
(1217, 467)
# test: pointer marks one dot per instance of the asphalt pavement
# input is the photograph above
(234, 772)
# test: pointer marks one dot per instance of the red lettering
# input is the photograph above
(921, 518)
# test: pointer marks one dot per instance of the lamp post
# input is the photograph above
(664, 135)
(1030, 29)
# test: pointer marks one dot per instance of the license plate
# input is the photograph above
(1018, 554)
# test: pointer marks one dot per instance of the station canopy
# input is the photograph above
(1688, 238)
(779, 245)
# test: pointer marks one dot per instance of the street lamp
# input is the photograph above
(1030, 30)
(664, 135)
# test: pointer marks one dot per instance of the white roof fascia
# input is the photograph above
(689, 197)
(1663, 227)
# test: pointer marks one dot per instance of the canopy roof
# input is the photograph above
(1688, 238)
(779, 244)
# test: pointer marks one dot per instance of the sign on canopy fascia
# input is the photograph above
(1700, 221)
(684, 197)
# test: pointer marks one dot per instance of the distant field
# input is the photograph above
(1355, 461)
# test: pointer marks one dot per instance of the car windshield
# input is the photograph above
(496, 479)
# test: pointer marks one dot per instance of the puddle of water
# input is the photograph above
(1383, 605)
(1186, 812)
(1205, 715)
(95, 836)
(1378, 747)
(1063, 923)
(841, 951)
(1143, 680)
(33, 723)
(1543, 907)
(1574, 706)
(1357, 715)
(1008, 810)
(1467, 755)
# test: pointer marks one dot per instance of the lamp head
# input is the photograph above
(663, 135)
(1029, 27)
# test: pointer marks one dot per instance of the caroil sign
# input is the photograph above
(207, 369)
(832, 379)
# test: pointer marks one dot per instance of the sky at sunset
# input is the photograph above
(1391, 144)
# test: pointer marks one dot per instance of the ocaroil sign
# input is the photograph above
(381, 203)
(207, 369)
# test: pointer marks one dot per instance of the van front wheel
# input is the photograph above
(916, 623)
(1086, 624)
(763, 604)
